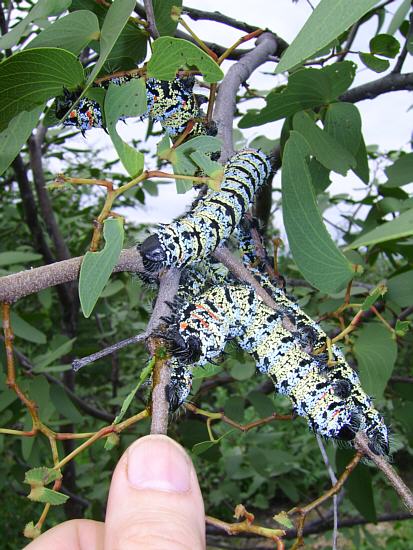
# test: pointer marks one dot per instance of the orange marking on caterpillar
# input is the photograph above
(183, 325)
(203, 323)
(209, 312)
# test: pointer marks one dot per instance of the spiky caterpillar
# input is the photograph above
(198, 233)
(172, 103)
(329, 397)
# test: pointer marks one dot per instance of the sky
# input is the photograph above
(387, 121)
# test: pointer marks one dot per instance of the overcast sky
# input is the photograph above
(386, 119)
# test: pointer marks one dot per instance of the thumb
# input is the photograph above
(154, 499)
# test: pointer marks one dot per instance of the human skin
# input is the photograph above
(154, 503)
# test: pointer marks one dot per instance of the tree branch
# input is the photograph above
(362, 443)
(392, 82)
(266, 45)
(150, 17)
(160, 407)
(16, 286)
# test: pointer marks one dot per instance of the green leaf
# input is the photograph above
(373, 296)
(385, 45)
(64, 405)
(97, 267)
(358, 486)
(329, 19)
(116, 18)
(261, 403)
(41, 10)
(39, 477)
(401, 289)
(320, 176)
(130, 46)
(145, 374)
(18, 257)
(171, 54)
(180, 157)
(314, 251)
(126, 100)
(388, 231)
(343, 122)
(26, 331)
(242, 371)
(234, 408)
(202, 447)
(112, 441)
(283, 519)
(163, 10)
(72, 32)
(400, 172)
(399, 16)
(48, 496)
(31, 77)
(325, 148)
(30, 531)
(375, 352)
(206, 371)
(374, 63)
(213, 169)
(112, 288)
(16, 133)
(42, 361)
(362, 169)
(210, 167)
(306, 88)
(402, 327)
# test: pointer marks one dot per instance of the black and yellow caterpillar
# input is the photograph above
(172, 103)
(329, 397)
(214, 218)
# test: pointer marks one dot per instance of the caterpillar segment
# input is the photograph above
(330, 398)
(172, 103)
(213, 219)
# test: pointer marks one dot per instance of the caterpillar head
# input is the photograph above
(186, 350)
(152, 252)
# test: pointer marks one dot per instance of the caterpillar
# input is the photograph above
(198, 233)
(172, 103)
(329, 397)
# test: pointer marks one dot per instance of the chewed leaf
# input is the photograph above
(171, 54)
(38, 477)
(48, 496)
(97, 267)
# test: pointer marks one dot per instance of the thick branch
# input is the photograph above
(16, 286)
(393, 82)
(160, 407)
(266, 45)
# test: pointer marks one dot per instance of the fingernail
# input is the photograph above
(159, 464)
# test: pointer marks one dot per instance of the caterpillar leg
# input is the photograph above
(179, 386)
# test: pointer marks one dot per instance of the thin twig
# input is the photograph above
(362, 443)
(333, 480)
(77, 364)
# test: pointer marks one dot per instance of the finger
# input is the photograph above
(154, 499)
(76, 534)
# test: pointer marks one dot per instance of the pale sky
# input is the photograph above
(386, 119)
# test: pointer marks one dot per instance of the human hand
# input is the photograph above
(154, 504)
